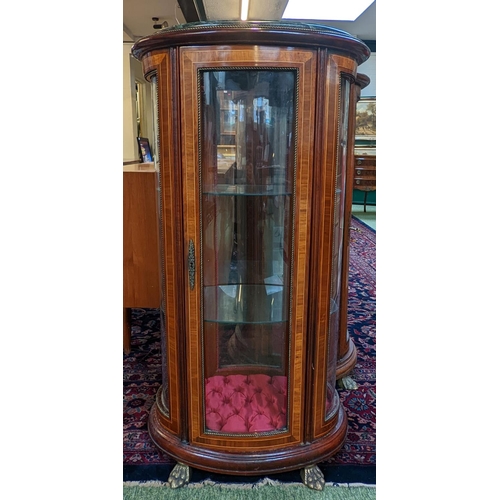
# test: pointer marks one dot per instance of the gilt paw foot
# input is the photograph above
(347, 383)
(180, 475)
(313, 478)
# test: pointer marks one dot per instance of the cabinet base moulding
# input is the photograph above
(346, 364)
(248, 462)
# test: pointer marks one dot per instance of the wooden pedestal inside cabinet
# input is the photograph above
(141, 278)
(254, 133)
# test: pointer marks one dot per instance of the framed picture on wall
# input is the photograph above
(144, 150)
(366, 118)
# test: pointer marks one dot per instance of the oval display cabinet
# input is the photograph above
(254, 133)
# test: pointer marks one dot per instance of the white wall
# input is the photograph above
(132, 73)
(368, 69)
(147, 102)
(130, 151)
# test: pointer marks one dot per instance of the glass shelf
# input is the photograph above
(246, 190)
(246, 304)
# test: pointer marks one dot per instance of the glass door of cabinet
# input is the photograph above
(338, 234)
(247, 118)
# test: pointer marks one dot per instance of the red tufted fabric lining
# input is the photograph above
(245, 403)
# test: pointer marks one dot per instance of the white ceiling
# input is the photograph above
(137, 19)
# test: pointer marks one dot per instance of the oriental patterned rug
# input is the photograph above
(355, 463)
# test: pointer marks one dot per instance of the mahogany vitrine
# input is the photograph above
(253, 137)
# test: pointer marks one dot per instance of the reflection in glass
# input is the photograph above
(165, 387)
(247, 179)
(338, 231)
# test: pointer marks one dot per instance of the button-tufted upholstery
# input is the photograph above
(245, 403)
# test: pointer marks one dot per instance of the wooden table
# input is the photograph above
(365, 174)
(141, 285)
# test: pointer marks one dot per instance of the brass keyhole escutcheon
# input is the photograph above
(191, 264)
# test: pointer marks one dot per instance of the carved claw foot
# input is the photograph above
(313, 478)
(347, 383)
(180, 475)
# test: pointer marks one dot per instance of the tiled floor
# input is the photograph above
(368, 217)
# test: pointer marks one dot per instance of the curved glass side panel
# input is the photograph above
(338, 231)
(165, 396)
(247, 120)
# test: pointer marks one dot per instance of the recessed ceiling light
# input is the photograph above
(346, 10)
(244, 10)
